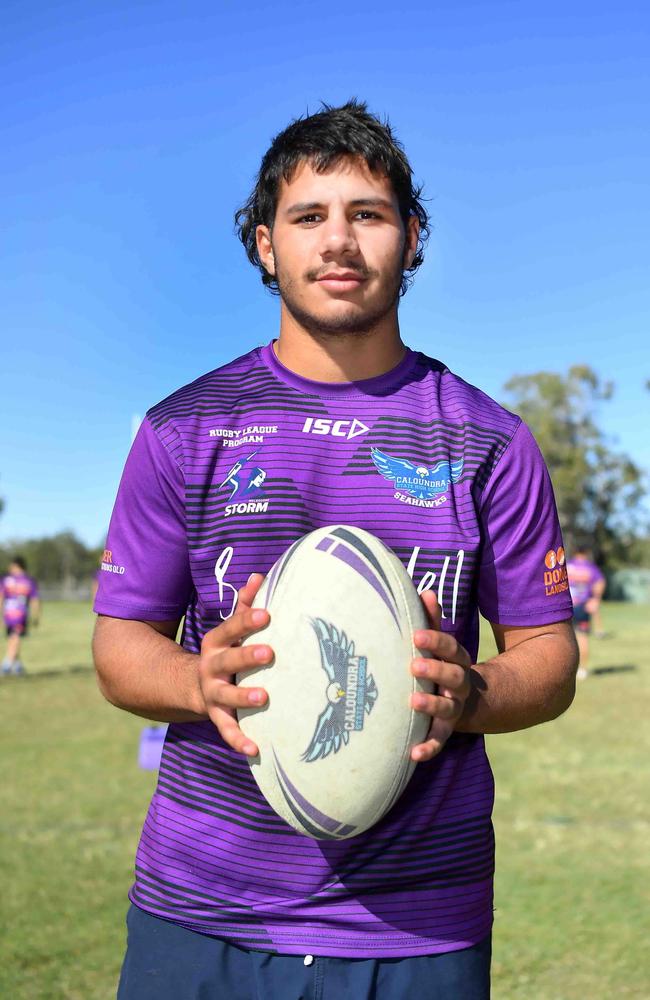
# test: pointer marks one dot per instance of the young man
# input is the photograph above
(20, 602)
(587, 586)
(335, 421)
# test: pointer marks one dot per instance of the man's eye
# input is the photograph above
(365, 214)
(309, 219)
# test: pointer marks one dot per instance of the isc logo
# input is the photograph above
(336, 428)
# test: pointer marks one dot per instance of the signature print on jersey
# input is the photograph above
(418, 485)
(427, 569)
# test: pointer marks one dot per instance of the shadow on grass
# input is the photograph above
(624, 668)
(42, 675)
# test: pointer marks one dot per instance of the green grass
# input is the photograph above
(571, 817)
(573, 825)
(71, 808)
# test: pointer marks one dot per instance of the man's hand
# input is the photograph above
(449, 670)
(222, 657)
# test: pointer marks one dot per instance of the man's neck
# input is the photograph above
(339, 358)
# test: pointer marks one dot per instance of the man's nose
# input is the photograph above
(339, 236)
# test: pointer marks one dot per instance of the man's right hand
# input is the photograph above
(223, 656)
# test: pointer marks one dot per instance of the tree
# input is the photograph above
(60, 559)
(598, 489)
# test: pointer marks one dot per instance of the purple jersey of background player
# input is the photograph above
(17, 589)
(583, 574)
(457, 487)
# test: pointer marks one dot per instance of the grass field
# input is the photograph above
(572, 821)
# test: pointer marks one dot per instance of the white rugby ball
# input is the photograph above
(335, 737)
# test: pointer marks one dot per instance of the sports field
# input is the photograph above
(572, 820)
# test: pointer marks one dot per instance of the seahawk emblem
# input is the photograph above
(417, 480)
(351, 692)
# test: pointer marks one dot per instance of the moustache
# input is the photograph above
(317, 273)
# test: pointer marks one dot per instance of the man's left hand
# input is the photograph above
(449, 669)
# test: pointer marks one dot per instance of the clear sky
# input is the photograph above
(132, 131)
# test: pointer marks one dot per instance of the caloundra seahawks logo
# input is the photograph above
(351, 692)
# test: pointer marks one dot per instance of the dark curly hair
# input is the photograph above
(324, 139)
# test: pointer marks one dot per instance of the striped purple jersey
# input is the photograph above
(16, 592)
(224, 475)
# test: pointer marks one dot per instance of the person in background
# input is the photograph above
(20, 603)
(587, 586)
(598, 630)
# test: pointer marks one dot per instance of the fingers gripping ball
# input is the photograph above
(335, 737)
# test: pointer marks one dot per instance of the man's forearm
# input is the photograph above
(530, 683)
(145, 672)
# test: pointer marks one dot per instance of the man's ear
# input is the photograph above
(265, 248)
(411, 243)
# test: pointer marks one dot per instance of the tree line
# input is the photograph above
(61, 559)
(599, 489)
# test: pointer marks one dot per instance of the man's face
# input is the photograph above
(338, 248)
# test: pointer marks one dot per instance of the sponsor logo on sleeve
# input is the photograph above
(556, 579)
(108, 566)
(416, 484)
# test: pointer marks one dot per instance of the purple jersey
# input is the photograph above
(17, 591)
(224, 475)
(583, 575)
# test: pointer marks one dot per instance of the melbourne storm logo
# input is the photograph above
(418, 485)
(245, 481)
(351, 692)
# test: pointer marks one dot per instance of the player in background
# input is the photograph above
(20, 608)
(587, 586)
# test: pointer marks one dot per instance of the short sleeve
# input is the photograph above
(522, 578)
(33, 593)
(145, 570)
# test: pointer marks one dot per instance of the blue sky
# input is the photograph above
(132, 131)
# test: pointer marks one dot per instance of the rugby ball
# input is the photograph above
(335, 736)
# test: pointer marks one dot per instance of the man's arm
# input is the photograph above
(531, 680)
(142, 670)
(35, 610)
(597, 591)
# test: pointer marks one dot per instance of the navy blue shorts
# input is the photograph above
(166, 962)
(581, 618)
(18, 628)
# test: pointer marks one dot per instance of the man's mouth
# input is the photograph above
(341, 281)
